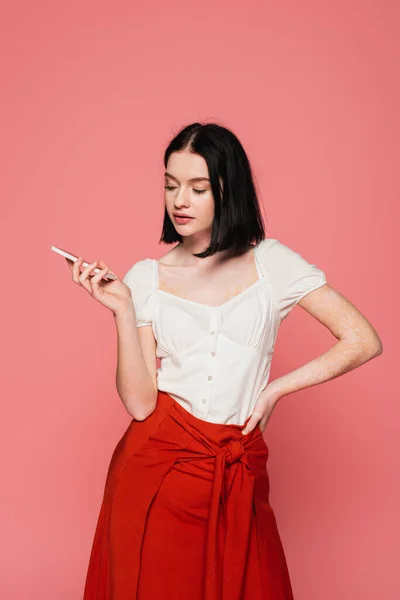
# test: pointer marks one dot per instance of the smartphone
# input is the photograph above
(107, 276)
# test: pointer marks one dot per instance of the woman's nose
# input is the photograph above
(182, 198)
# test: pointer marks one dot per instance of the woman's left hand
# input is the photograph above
(263, 409)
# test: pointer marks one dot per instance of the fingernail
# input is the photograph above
(244, 431)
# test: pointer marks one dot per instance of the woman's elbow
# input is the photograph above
(141, 409)
(140, 415)
(378, 349)
(373, 349)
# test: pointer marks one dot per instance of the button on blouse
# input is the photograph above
(215, 360)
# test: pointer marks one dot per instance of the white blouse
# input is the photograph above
(215, 360)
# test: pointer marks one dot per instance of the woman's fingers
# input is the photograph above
(104, 265)
(254, 419)
(75, 270)
(95, 281)
(83, 277)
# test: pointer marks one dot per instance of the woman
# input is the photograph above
(186, 512)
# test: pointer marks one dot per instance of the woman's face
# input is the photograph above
(188, 192)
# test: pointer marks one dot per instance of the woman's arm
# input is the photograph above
(136, 368)
(358, 342)
(136, 365)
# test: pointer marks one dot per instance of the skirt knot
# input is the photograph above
(234, 451)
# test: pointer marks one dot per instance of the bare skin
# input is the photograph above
(211, 285)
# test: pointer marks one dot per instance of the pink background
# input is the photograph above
(92, 93)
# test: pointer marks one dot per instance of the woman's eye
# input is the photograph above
(171, 187)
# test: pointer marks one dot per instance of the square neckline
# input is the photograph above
(260, 279)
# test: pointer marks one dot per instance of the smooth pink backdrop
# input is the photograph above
(91, 95)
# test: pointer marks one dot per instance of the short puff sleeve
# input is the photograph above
(140, 280)
(290, 275)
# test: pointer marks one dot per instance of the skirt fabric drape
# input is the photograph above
(186, 515)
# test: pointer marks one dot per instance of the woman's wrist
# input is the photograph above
(275, 390)
(125, 314)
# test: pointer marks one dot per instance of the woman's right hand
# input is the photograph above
(114, 294)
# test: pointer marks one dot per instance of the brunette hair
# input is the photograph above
(237, 216)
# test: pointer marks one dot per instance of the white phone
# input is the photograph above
(84, 264)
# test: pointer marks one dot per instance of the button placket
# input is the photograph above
(213, 333)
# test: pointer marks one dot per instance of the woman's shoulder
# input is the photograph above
(268, 243)
(140, 279)
(141, 273)
(270, 247)
(290, 274)
(275, 252)
(284, 266)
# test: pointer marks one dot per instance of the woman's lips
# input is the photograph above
(182, 220)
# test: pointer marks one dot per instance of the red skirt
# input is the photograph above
(186, 515)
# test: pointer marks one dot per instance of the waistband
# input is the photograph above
(215, 431)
